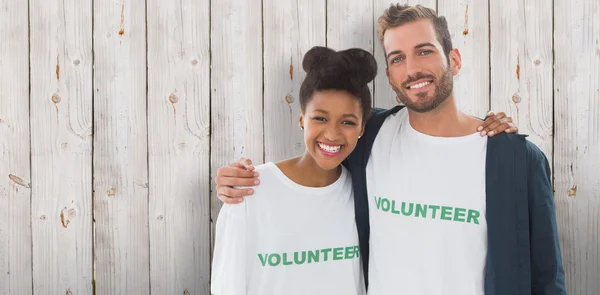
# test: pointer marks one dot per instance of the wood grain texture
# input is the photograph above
(383, 95)
(236, 87)
(178, 146)
(577, 141)
(291, 28)
(521, 66)
(468, 24)
(61, 145)
(121, 242)
(350, 25)
(15, 172)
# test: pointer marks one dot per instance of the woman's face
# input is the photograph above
(332, 122)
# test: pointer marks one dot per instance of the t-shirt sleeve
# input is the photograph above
(229, 258)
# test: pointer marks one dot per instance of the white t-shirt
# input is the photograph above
(288, 239)
(427, 212)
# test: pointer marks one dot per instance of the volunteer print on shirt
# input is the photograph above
(289, 239)
(426, 211)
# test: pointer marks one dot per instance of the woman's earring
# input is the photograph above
(359, 137)
(301, 127)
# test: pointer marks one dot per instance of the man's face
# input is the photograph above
(418, 69)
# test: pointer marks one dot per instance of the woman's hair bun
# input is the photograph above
(316, 56)
(355, 64)
(361, 65)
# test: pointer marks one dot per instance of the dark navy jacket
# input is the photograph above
(523, 250)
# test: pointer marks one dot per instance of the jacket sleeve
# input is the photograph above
(547, 273)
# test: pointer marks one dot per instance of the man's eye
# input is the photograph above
(397, 59)
(426, 52)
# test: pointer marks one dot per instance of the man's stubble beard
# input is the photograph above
(443, 89)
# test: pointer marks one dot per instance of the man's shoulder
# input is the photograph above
(382, 114)
(378, 117)
(357, 159)
(504, 141)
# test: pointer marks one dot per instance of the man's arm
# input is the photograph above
(547, 273)
(229, 258)
(242, 172)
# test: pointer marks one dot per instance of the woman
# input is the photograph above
(297, 234)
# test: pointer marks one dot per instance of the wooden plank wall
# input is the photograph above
(115, 115)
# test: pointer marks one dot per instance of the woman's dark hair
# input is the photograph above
(348, 70)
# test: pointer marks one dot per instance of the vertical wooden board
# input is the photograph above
(384, 96)
(577, 141)
(236, 86)
(350, 25)
(15, 175)
(178, 146)
(521, 66)
(121, 243)
(468, 23)
(291, 28)
(61, 145)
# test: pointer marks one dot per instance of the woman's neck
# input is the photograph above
(304, 170)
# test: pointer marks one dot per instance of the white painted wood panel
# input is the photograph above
(468, 24)
(350, 25)
(178, 146)
(61, 145)
(521, 66)
(121, 242)
(236, 87)
(15, 173)
(577, 141)
(291, 28)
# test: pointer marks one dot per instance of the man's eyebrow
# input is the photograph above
(424, 45)
(393, 52)
(420, 45)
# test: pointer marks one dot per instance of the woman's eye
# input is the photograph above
(349, 123)
(321, 119)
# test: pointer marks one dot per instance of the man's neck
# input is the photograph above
(444, 121)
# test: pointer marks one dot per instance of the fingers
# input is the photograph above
(246, 163)
(512, 129)
(228, 172)
(229, 200)
(237, 180)
(231, 195)
(497, 126)
(494, 124)
(490, 118)
(238, 174)
(230, 192)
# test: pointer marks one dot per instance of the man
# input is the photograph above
(439, 209)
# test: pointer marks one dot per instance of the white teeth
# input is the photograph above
(417, 86)
(329, 148)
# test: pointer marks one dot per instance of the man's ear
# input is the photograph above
(387, 72)
(455, 61)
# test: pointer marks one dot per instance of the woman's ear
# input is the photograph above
(301, 121)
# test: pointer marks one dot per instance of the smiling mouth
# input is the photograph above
(419, 85)
(331, 149)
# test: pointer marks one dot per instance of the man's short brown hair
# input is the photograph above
(397, 15)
